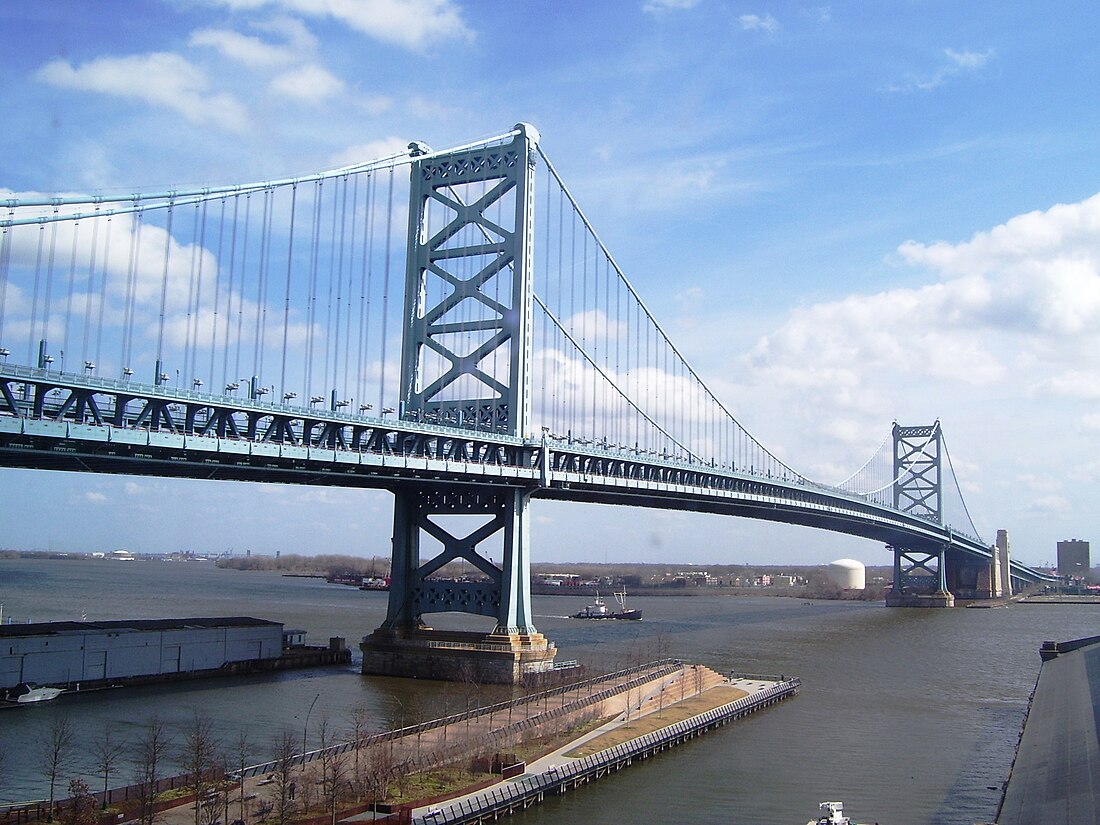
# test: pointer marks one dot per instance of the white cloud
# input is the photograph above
(251, 51)
(1048, 505)
(94, 497)
(310, 84)
(757, 22)
(658, 6)
(411, 24)
(1006, 320)
(957, 63)
(372, 150)
(159, 78)
(969, 60)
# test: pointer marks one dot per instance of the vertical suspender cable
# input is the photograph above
(217, 291)
(311, 312)
(198, 296)
(191, 296)
(329, 345)
(386, 292)
(226, 378)
(260, 341)
(89, 291)
(5, 265)
(286, 293)
(49, 278)
(339, 255)
(241, 288)
(164, 286)
(351, 280)
(65, 340)
(34, 299)
(368, 266)
(130, 319)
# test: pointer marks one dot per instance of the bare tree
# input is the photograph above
(285, 756)
(81, 809)
(56, 754)
(198, 755)
(107, 752)
(149, 756)
(333, 771)
(241, 752)
(381, 769)
(359, 728)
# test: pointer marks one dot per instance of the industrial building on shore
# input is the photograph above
(97, 654)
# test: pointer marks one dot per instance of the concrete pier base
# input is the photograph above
(939, 599)
(457, 656)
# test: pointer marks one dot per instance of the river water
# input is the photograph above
(907, 716)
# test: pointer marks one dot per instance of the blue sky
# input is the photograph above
(844, 214)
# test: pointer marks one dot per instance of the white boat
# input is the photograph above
(832, 813)
(26, 692)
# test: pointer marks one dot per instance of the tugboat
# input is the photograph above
(599, 610)
(832, 814)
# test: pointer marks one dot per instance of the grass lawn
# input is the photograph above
(713, 698)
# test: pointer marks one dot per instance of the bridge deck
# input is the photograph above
(1056, 776)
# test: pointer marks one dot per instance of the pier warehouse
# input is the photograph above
(96, 653)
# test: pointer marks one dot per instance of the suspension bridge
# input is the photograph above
(445, 325)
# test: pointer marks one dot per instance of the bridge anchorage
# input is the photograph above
(527, 370)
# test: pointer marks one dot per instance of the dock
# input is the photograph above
(1055, 777)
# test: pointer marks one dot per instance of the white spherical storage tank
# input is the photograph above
(848, 573)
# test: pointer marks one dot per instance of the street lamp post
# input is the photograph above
(305, 728)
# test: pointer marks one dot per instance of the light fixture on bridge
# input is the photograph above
(364, 407)
(163, 378)
(387, 410)
(343, 403)
(126, 373)
(418, 148)
(232, 387)
(47, 360)
(289, 395)
(4, 353)
(89, 367)
(261, 391)
(315, 399)
(196, 383)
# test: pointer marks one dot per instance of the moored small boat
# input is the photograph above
(26, 692)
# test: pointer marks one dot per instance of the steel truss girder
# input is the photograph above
(51, 399)
(506, 596)
(209, 437)
(918, 488)
(908, 561)
(434, 259)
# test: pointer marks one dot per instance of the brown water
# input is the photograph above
(908, 716)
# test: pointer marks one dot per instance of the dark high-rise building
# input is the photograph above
(1073, 557)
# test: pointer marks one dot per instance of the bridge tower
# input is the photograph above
(465, 364)
(920, 573)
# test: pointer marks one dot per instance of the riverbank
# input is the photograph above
(595, 727)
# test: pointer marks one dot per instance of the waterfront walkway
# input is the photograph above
(1055, 778)
(648, 708)
(615, 744)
